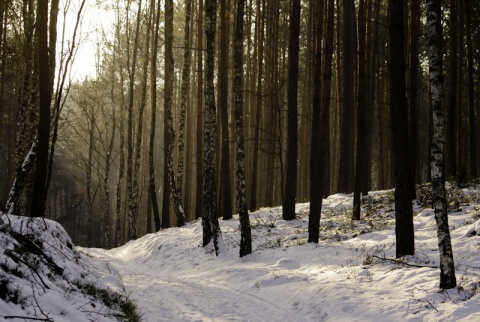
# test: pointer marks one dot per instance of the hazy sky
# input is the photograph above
(93, 20)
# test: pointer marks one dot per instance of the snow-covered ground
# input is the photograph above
(351, 275)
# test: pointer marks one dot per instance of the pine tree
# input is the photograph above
(288, 205)
(398, 103)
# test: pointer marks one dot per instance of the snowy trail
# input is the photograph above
(173, 299)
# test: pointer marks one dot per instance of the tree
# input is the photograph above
(319, 144)
(246, 235)
(185, 89)
(211, 227)
(348, 104)
(132, 187)
(39, 194)
(470, 85)
(153, 119)
(168, 104)
(362, 111)
(451, 141)
(199, 146)
(225, 191)
(258, 105)
(288, 205)
(439, 198)
(398, 104)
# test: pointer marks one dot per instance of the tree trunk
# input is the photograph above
(153, 120)
(288, 205)
(470, 86)
(319, 140)
(398, 103)
(185, 92)
(414, 36)
(168, 104)
(211, 227)
(258, 109)
(447, 267)
(326, 89)
(451, 125)
(347, 114)
(225, 188)
(246, 235)
(132, 193)
(39, 194)
(361, 113)
(200, 117)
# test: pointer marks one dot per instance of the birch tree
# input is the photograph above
(447, 267)
(169, 82)
(211, 227)
(246, 235)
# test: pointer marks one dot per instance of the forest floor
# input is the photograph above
(351, 275)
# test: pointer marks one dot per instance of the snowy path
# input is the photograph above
(172, 299)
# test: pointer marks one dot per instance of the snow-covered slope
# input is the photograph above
(43, 277)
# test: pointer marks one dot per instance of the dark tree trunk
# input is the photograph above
(39, 194)
(447, 267)
(225, 183)
(319, 141)
(346, 177)
(258, 111)
(471, 90)
(288, 205)
(398, 104)
(361, 113)
(326, 90)
(413, 90)
(452, 121)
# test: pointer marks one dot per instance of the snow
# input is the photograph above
(351, 275)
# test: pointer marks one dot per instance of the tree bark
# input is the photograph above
(258, 108)
(225, 189)
(471, 91)
(288, 205)
(447, 267)
(168, 104)
(185, 92)
(398, 103)
(200, 116)
(132, 192)
(211, 227)
(153, 120)
(39, 194)
(361, 113)
(319, 141)
(347, 114)
(246, 235)
(451, 125)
